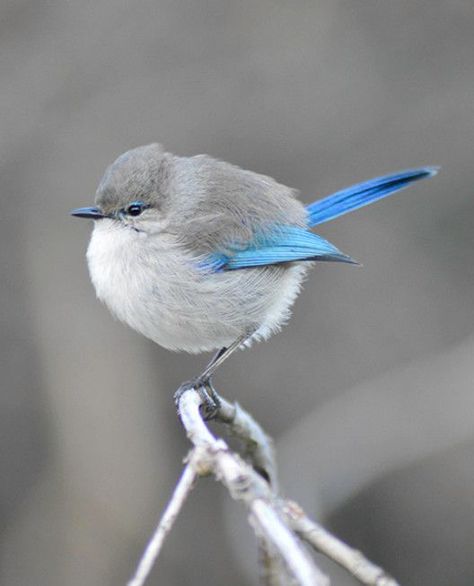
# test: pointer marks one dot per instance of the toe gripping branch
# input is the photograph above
(211, 402)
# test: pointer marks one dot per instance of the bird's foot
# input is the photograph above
(210, 399)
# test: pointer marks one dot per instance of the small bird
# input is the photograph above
(198, 254)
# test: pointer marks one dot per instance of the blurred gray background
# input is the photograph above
(368, 392)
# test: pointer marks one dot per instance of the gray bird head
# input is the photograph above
(133, 190)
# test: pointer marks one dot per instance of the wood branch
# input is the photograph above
(324, 542)
(246, 485)
(259, 446)
(180, 494)
(272, 570)
(260, 451)
(279, 524)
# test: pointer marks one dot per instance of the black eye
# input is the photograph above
(135, 208)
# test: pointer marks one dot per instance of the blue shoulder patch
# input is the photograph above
(284, 244)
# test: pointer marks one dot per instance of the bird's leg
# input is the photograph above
(220, 357)
(203, 384)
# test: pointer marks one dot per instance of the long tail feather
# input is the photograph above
(359, 195)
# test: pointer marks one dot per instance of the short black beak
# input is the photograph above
(90, 212)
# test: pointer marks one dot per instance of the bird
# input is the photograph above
(198, 254)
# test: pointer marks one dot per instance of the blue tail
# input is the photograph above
(359, 195)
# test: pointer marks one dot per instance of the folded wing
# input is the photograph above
(284, 244)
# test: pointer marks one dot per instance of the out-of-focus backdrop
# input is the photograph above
(368, 392)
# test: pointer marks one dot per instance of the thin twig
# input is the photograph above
(279, 524)
(301, 567)
(181, 492)
(272, 570)
(246, 485)
(246, 428)
(260, 452)
(324, 542)
(259, 446)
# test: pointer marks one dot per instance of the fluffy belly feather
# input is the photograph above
(159, 291)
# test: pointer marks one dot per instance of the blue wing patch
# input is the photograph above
(291, 243)
(284, 244)
(359, 195)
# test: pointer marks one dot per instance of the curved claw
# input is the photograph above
(210, 400)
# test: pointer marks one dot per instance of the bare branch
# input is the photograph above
(272, 570)
(278, 524)
(181, 492)
(268, 522)
(246, 485)
(246, 428)
(259, 446)
(260, 451)
(329, 545)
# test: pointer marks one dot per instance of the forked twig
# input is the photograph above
(280, 525)
(246, 485)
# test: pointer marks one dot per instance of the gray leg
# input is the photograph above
(221, 357)
(203, 383)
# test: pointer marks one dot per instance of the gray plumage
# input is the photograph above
(148, 269)
(197, 254)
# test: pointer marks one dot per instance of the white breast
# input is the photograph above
(156, 288)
